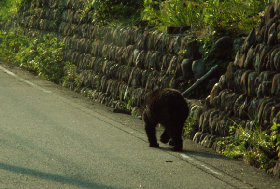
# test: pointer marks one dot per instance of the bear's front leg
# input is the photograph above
(150, 128)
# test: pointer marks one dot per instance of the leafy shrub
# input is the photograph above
(216, 15)
(259, 148)
(10, 44)
(172, 13)
(41, 56)
(103, 10)
(8, 8)
(151, 12)
(232, 15)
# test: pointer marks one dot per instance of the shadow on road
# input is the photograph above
(52, 177)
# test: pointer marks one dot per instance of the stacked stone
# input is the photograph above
(39, 17)
(126, 61)
(249, 92)
(114, 64)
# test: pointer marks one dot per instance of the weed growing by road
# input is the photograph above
(275, 135)
(257, 147)
(191, 125)
(71, 79)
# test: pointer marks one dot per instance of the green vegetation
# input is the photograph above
(41, 56)
(106, 11)
(257, 147)
(191, 125)
(217, 16)
(211, 16)
(71, 79)
(8, 8)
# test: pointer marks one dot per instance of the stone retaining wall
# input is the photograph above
(116, 65)
(249, 92)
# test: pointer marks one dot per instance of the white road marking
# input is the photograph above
(201, 165)
(23, 80)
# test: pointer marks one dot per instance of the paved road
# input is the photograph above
(51, 137)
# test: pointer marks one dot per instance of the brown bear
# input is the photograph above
(169, 108)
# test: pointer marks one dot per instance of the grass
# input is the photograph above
(256, 147)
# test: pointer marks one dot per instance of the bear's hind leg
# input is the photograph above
(175, 131)
(177, 143)
(164, 138)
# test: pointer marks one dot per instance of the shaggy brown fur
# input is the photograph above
(169, 108)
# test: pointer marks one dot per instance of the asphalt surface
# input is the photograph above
(51, 137)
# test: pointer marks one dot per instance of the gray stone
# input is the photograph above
(198, 68)
(191, 49)
(253, 107)
(214, 92)
(242, 60)
(248, 63)
(274, 111)
(186, 67)
(237, 57)
(251, 89)
(154, 61)
(263, 59)
(139, 61)
(272, 35)
(266, 88)
(204, 121)
(276, 61)
(269, 14)
(208, 141)
(244, 81)
(213, 120)
(271, 58)
(263, 111)
(173, 66)
(249, 41)
(277, 7)
(197, 137)
(275, 89)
